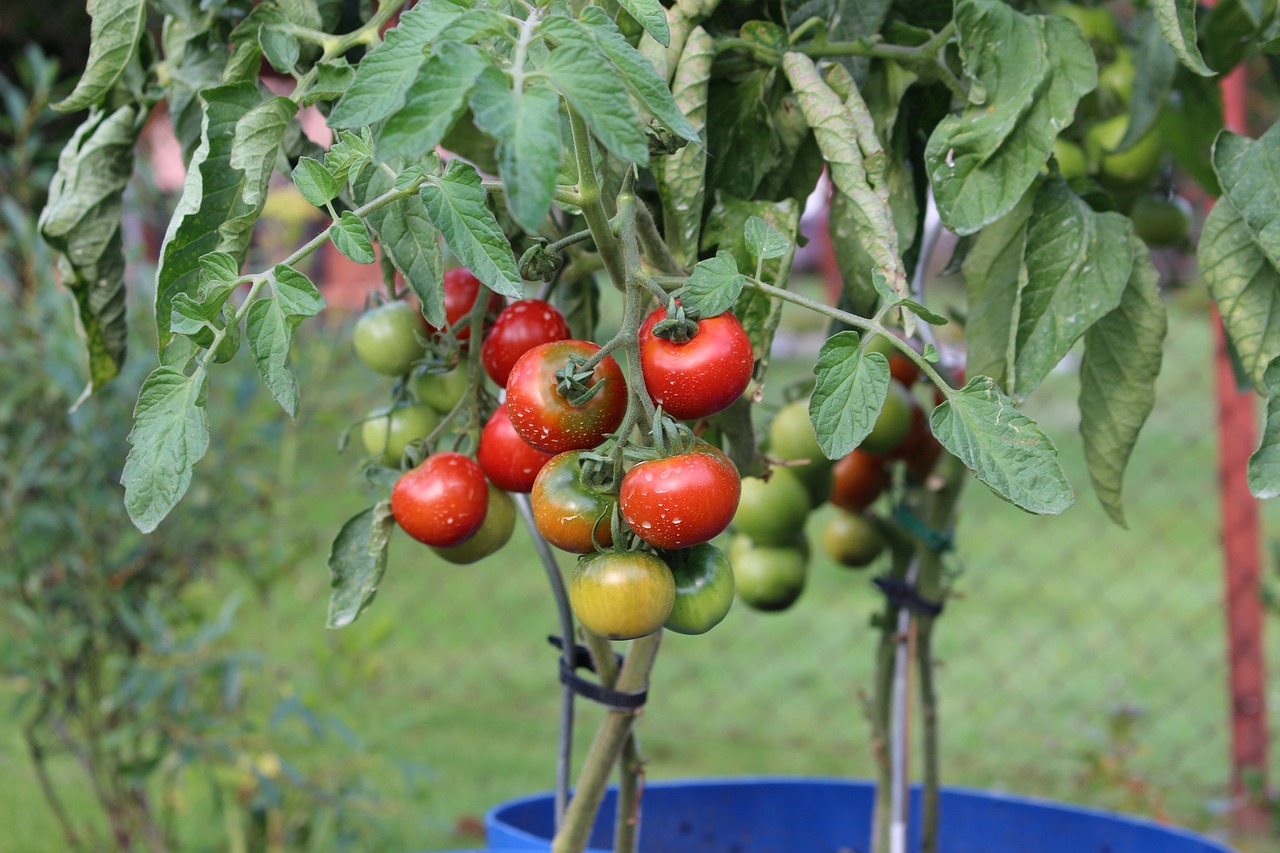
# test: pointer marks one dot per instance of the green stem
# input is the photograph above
(880, 706)
(655, 248)
(820, 47)
(589, 200)
(368, 34)
(626, 817)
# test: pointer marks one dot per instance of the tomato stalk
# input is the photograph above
(592, 206)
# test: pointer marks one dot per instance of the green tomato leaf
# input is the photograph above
(1189, 124)
(81, 219)
(192, 318)
(270, 337)
(1155, 67)
(295, 293)
(1247, 169)
(333, 78)
(933, 318)
(314, 181)
(650, 15)
(280, 48)
(1233, 29)
(681, 176)
(357, 562)
(849, 394)
(410, 240)
(1029, 72)
(527, 127)
(384, 77)
(741, 144)
(1122, 354)
(434, 102)
(456, 206)
(1264, 464)
(1177, 21)
(764, 240)
(170, 435)
(712, 287)
(1004, 448)
(347, 157)
(114, 33)
(1246, 287)
(351, 238)
(589, 84)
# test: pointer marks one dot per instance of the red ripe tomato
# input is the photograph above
(702, 376)
(858, 479)
(683, 500)
(506, 460)
(545, 419)
(443, 501)
(567, 511)
(519, 328)
(461, 290)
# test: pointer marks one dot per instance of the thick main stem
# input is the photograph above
(592, 206)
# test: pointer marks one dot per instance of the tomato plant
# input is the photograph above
(506, 460)
(545, 418)
(768, 577)
(771, 511)
(461, 292)
(1162, 221)
(704, 589)
(440, 391)
(859, 479)
(519, 328)
(682, 500)
(443, 501)
(622, 594)
(700, 376)
(852, 539)
(387, 432)
(388, 338)
(494, 532)
(893, 423)
(570, 513)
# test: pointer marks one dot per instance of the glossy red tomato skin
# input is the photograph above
(461, 289)
(683, 500)
(702, 376)
(857, 480)
(506, 460)
(443, 501)
(519, 328)
(567, 511)
(546, 420)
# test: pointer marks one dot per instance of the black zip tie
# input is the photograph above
(937, 541)
(614, 700)
(905, 595)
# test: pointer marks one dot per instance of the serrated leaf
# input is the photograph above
(1247, 170)
(351, 238)
(527, 127)
(1245, 286)
(192, 318)
(114, 33)
(681, 176)
(434, 102)
(650, 15)
(333, 78)
(347, 158)
(253, 151)
(1264, 463)
(314, 181)
(357, 562)
(1177, 21)
(270, 337)
(587, 81)
(1122, 355)
(1155, 67)
(384, 76)
(456, 206)
(170, 435)
(410, 241)
(1029, 72)
(1004, 448)
(81, 219)
(849, 394)
(764, 240)
(712, 287)
(297, 296)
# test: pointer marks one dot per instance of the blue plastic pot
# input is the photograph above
(771, 815)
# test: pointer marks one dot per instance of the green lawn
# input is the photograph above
(449, 691)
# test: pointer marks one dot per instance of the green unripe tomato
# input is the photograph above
(771, 511)
(769, 578)
(1137, 164)
(440, 391)
(495, 531)
(852, 539)
(1115, 82)
(1162, 221)
(893, 423)
(621, 595)
(704, 589)
(387, 433)
(791, 435)
(1072, 162)
(388, 338)
(816, 477)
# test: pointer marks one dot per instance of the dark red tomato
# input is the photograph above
(443, 501)
(683, 500)
(918, 432)
(545, 419)
(506, 460)
(858, 479)
(461, 289)
(566, 510)
(924, 458)
(702, 376)
(519, 328)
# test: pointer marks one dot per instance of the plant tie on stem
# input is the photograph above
(614, 700)
(938, 541)
(903, 594)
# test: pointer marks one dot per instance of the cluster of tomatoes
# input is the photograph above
(639, 516)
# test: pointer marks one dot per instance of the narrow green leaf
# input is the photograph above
(351, 238)
(410, 241)
(1177, 20)
(713, 286)
(650, 15)
(1003, 447)
(456, 206)
(170, 435)
(357, 562)
(1264, 464)
(295, 293)
(1245, 286)
(849, 394)
(314, 181)
(933, 318)
(590, 85)
(434, 102)
(270, 337)
(1248, 171)
(1122, 354)
(527, 127)
(764, 240)
(1155, 67)
(114, 33)
(681, 176)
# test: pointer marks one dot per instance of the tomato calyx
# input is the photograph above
(572, 379)
(539, 262)
(679, 327)
(670, 438)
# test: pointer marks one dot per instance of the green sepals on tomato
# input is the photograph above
(622, 595)
(682, 500)
(388, 338)
(893, 424)
(495, 531)
(520, 327)
(461, 290)
(506, 460)
(567, 510)
(440, 391)
(443, 501)
(768, 578)
(701, 376)
(704, 589)
(771, 511)
(544, 418)
(858, 479)
(386, 433)
(852, 539)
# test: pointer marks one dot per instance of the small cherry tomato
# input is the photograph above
(567, 510)
(893, 423)
(461, 290)
(544, 418)
(443, 501)
(387, 433)
(495, 531)
(519, 328)
(852, 539)
(506, 460)
(791, 435)
(859, 479)
(680, 501)
(704, 589)
(1162, 221)
(387, 338)
(924, 458)
(771, 511)
(621, 595)
(701, 376)
(767, 578)
(440, 391)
